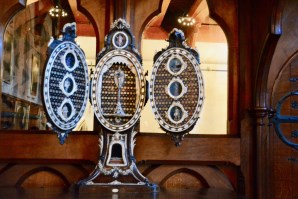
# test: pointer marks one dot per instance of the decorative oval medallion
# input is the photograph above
(66, 86)
(177, 107)
(120, 40)
(176, 88)
(176, 113)
(175, 64)
(118, 90)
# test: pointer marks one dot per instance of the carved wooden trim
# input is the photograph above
(8, 10)
(263, 69)
(145, 23)
(259, 113)
(276, 17)
(260, 100)
(83, 147)
(286, 64)
(210, 177)
(85, 11)
(55, 172)
(159, 148)
(195, 174)
(6, 167)
(231, 33)
(18, 173)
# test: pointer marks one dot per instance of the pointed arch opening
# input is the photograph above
(25, 44)
(209, 39)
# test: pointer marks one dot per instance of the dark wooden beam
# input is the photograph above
(119, 9)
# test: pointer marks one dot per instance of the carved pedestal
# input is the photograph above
(118, 95)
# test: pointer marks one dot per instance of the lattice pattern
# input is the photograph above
(55, 96)
(191, 101)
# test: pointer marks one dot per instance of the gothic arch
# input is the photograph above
(8, 13)
(188, 171)
(85, 11)
(208, 176)
(34, 171)
(267, 52)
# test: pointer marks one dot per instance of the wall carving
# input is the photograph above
(65, 175)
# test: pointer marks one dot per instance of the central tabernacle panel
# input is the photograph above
(118, 90)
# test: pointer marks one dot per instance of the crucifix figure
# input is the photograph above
(119, 78)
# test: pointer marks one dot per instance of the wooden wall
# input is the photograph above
(282, 77)
(36, 159)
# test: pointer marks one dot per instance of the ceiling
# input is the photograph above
(207, 29)
(84, 27)
(175, 9)
(158, 27)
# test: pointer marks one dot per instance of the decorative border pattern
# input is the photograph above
(104, 63)
(195, 65)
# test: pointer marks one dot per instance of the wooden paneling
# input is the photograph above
(143, 12)
(284, 165)
(252, 28)
(24, 174)
(219, 149)
(26, 157)
(30, 175)
(95, 11)
(283, 159)
(84, 146)
(50, 193)
(206, 176)
(182, 180)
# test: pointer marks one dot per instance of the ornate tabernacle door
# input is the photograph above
(176, 87)
(65, 84)
(118, 96)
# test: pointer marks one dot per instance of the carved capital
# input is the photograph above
(259, 113)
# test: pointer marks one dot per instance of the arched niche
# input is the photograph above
(208, 37)
(24, 55)
(170, 177)
(183, 180)
(44, 177)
